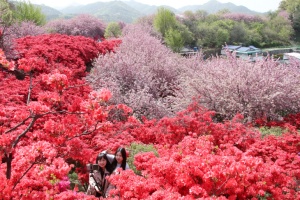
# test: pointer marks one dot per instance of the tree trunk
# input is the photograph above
(8, 164)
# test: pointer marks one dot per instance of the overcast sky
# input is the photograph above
(256, 5)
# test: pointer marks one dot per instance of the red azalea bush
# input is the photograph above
(291, 119)
(69, 54)
(223, 161)
(49, 113)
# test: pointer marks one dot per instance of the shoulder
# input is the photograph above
(127, 166)
(110, 157)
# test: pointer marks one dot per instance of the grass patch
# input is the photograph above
(136, 148)
(265, 131)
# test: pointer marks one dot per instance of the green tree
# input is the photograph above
(278, 31)
(113, 30)
(187, 35)
(238, 33)
(25, 11)
(293, 8)
(6, 19)
(174, 40)
(201, 15)
(164, 20)
(212, 35)
(6, 14)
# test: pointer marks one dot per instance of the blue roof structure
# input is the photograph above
(241, 49)
(232, 47)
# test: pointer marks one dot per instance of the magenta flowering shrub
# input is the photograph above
(142, 73)
(16, 31)
(243, 17)
(155, 82)
(229, 86)
(284, 14)
(85, 25)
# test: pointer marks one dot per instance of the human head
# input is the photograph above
(102, 157)
(120, 157)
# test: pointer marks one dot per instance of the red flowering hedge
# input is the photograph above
(199, 158)
(49, 116)
(292, 119)
(44, 53)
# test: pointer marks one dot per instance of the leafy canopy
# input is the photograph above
(26, 11)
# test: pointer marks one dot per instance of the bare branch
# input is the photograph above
(25, 131)
(17, 182)
(87, 132)
(21, 123)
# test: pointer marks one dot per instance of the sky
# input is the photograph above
(256, 5)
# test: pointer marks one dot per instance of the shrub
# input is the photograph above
(228, 86)
(142, 73)
(85, 25)
(19, 30)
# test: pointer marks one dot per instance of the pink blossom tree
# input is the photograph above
(229, 86)
(85, 25)
(142, 73)
(18, 30)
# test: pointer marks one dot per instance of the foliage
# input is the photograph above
(292, 119)
(174, 40)
(292, 6)
(85, 25)
(6, 20)
(277, 131)
(212, 36)
(278, 31)
(141, 74)
(6, 14)
(25, 11)
(113, 30)
(136, 148)
(164, 20)
(233, 28)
